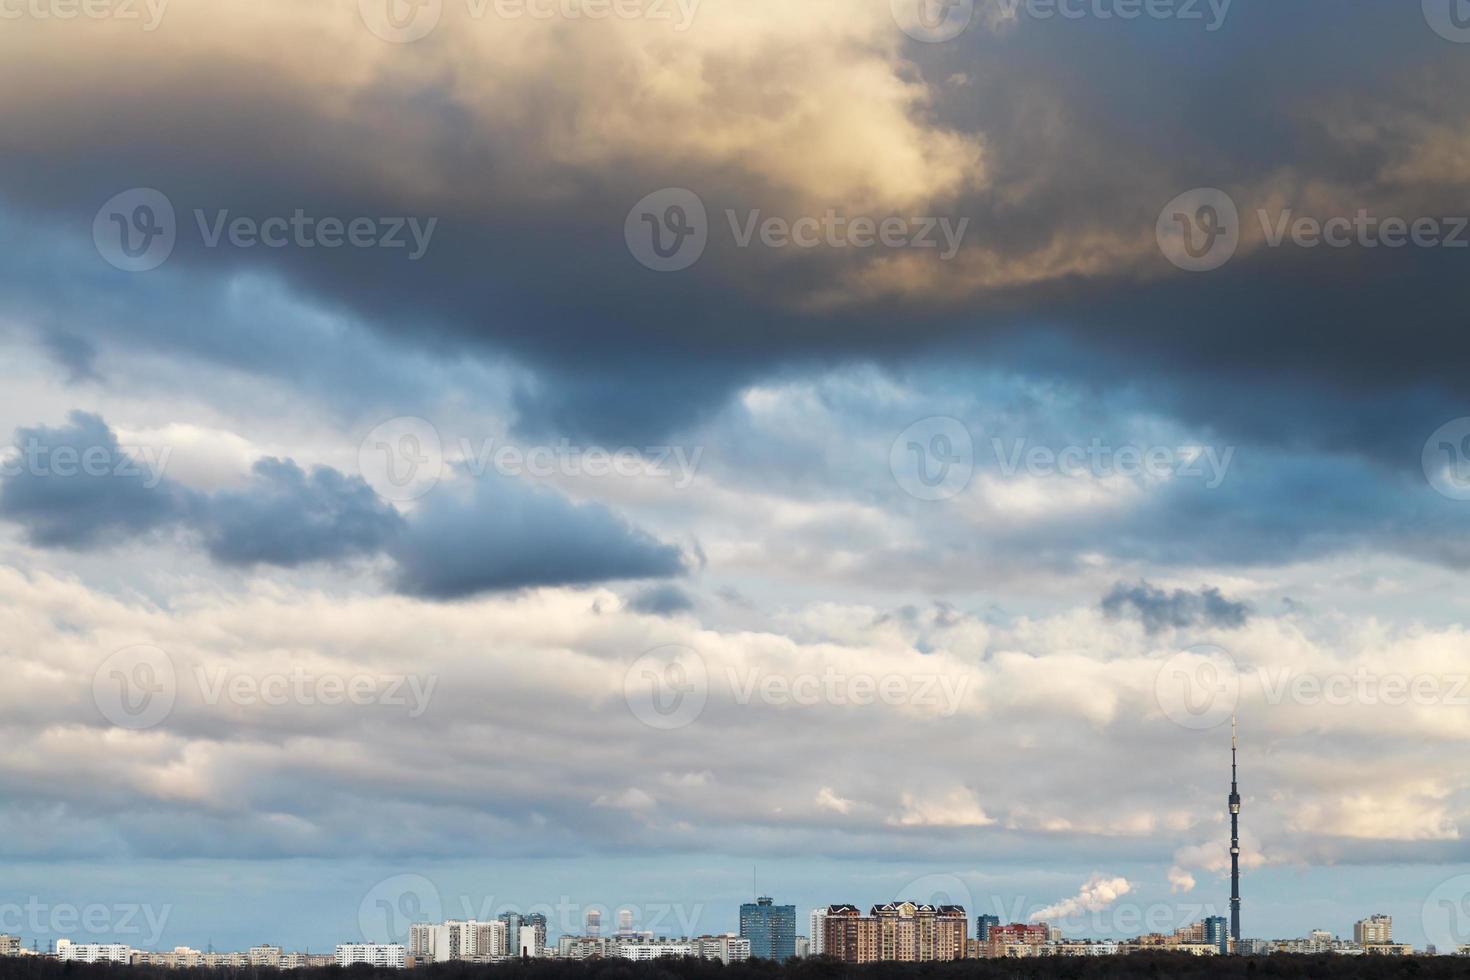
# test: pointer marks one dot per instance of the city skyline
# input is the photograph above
(891, 931)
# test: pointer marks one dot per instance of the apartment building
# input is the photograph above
(391, 956)
(70, 952)
(905, 932)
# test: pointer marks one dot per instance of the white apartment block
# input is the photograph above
(1079, 948)
(642, 952)
(818, 932)
(9, 945)
(458, 940)
(71, 952)
(390, 956)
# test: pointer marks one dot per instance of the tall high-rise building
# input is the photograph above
(594, 922)
(457, 940)
(1234, 837)
(532, 934)
(818, 931)
(1376, 930)
(625, 922)
(898, 931)
(1217, 933)
(983, 925)
(771, 929)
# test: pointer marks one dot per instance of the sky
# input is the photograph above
(479, 455)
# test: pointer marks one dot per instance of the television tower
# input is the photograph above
(1234, 838)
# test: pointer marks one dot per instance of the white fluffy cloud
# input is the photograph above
(1097, 894)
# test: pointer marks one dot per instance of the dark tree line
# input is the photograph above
(1153, 966)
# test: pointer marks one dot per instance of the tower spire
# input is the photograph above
(1234, 834)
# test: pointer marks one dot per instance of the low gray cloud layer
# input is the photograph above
(76, 487)
(1180, 609)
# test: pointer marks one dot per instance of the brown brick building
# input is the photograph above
(903, 932)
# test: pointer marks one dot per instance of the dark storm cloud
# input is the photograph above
(75, 487)
(1134, 113)
(1180, 609)
(506, 536)
(288, 518)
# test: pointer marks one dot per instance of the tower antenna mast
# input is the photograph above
(1234, 835)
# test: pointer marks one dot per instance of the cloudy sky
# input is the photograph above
(469, 456)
